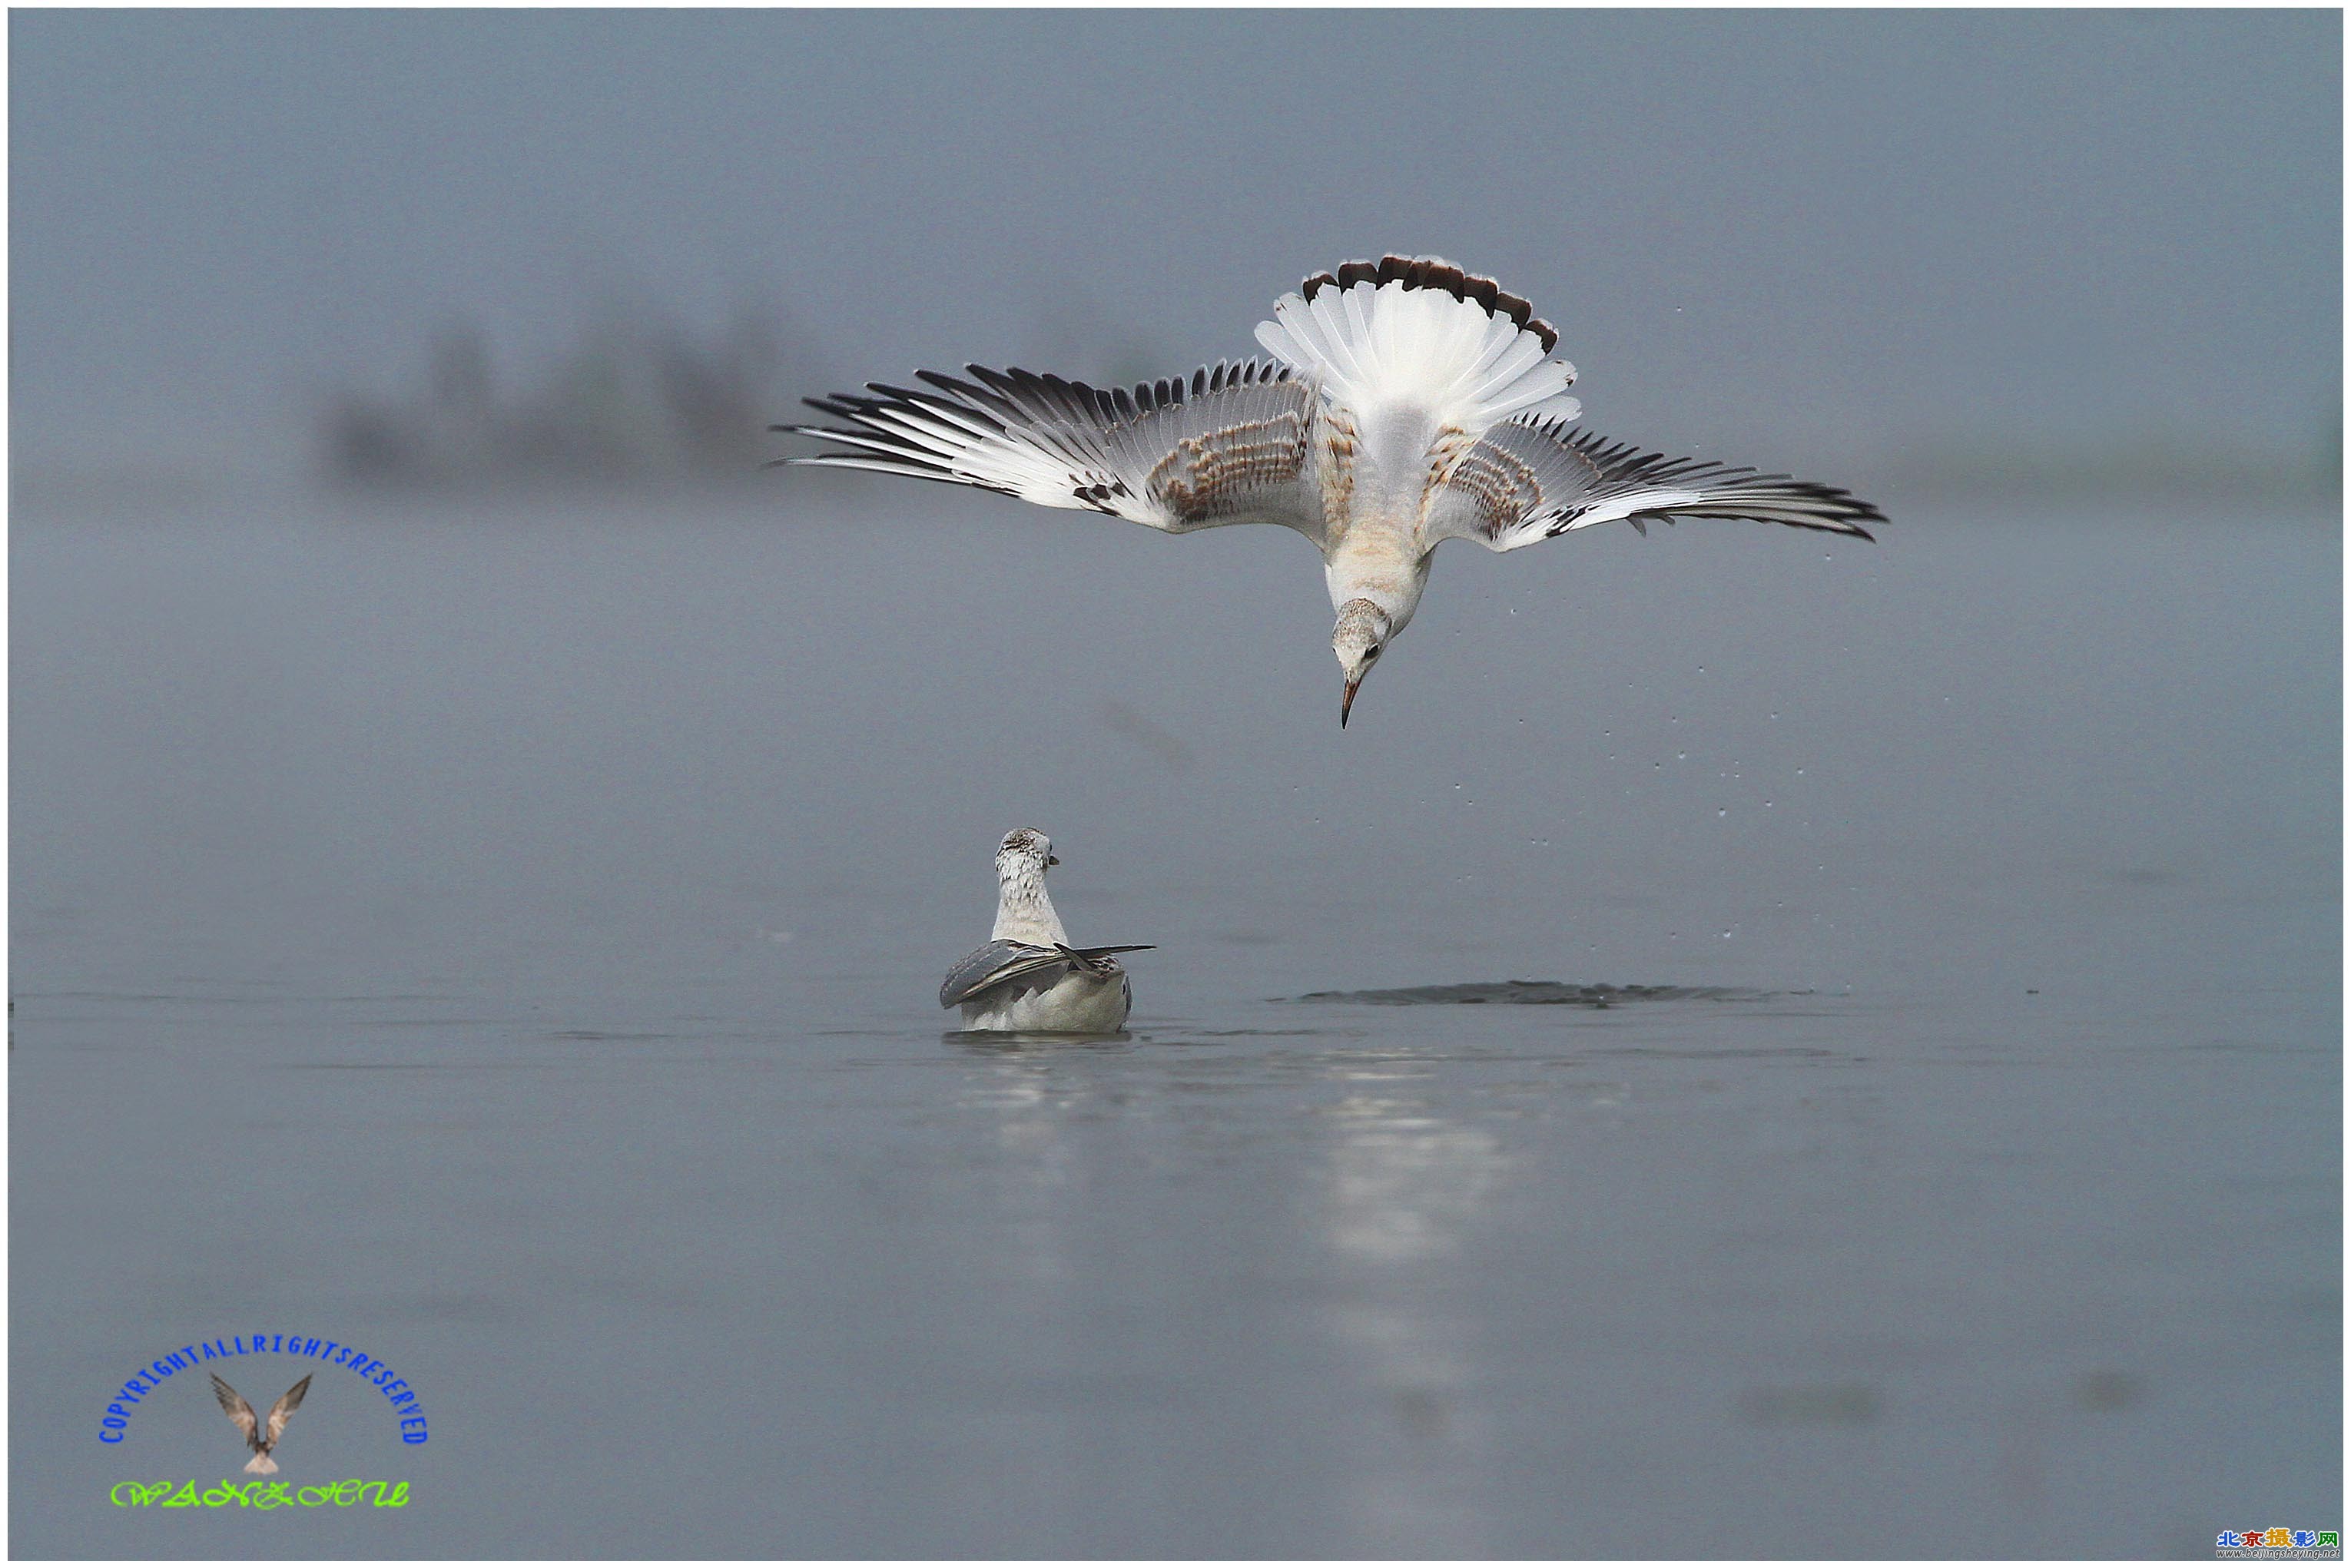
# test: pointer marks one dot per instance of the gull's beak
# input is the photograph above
(1053, 860)
(1347, 700)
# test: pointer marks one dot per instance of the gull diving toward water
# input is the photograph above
(1029, 979)
(259, 1439)
(1407, 403)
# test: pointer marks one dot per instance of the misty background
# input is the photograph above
(483, 849)
(2094, 249)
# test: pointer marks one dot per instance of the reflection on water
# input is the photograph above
(1012, 1043)
(1403, 1184)
(1407, 1190)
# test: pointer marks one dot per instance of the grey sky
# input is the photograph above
(1834, 235)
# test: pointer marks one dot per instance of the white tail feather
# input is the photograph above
(1376, 347)
(261, 1465)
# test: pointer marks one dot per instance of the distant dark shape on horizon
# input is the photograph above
(637, 399)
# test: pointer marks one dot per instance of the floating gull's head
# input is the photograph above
(1362, 631)
(1024, 855)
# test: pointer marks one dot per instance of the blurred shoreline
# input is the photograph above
(635, 399)
(639, 405)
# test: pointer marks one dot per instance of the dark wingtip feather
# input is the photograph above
(1434, 272)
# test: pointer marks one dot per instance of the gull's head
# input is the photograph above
(1362, 631)
(1025, 853)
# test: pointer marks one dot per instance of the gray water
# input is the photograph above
(504, 939)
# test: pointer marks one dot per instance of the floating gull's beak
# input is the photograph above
(1347, 700)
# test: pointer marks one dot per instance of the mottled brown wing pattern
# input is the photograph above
(1524, 483)
(1219, 474)
(1229, 444)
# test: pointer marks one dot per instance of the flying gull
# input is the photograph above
(1029, 979)
(1407, 403)
(259, 1439)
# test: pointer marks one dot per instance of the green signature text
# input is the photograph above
(258, 1494)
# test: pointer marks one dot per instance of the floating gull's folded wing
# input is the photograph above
(1524, 483)
(1096, 958)
(1005, 963)
(998, 963)
(1230, 444)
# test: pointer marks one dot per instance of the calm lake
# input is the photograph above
(504, 939)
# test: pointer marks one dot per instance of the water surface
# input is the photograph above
(507, 939)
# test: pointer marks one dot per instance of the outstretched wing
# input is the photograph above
(1231, 443)
(239, 1411)
(287, 1402)
(1523, 483)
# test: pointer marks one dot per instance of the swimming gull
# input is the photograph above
(1029, 979)
(1407, 403)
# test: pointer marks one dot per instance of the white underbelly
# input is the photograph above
(1076, 1003)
